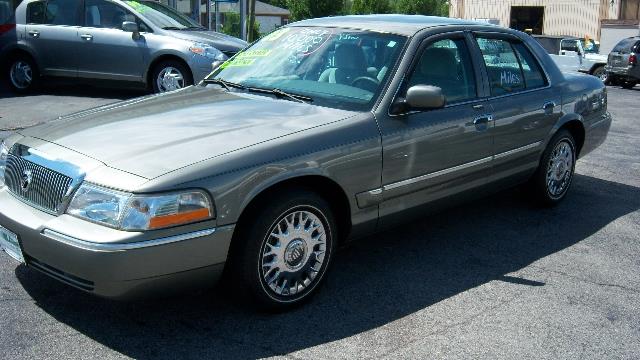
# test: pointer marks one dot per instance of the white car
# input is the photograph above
(575, 54)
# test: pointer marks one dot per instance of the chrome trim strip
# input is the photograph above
(517, 150)
(436, 174)
(93, 246)
(455, 168)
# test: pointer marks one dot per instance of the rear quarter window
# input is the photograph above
(625, 46)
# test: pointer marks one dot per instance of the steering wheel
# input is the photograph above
(368, 83)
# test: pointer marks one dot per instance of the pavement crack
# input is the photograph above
(630, 289)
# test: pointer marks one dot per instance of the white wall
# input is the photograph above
(611, 36)
(268, 23)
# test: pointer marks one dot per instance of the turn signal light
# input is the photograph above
(633, 60)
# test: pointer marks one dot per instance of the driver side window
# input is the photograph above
(447, 65)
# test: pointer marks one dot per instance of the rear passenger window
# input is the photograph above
(503, 66)
(447, 65)
(533, 75)
(35, 12)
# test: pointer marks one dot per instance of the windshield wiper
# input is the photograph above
(194, 28)
(171, 28)
(224, 83)
(280, 94)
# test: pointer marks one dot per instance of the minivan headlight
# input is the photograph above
(208, 51)
(131, 212)
(4, 153)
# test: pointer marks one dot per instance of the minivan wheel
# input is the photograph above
(282, 255)
(23, 74)
(170, 75)
(628, 84)
(554, 175)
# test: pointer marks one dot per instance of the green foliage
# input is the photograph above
(423, 7)
(371, 7)
(231, 25)
(305, 9)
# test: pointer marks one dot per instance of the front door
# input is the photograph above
(430, 154)
(52, 34)
(108, 52)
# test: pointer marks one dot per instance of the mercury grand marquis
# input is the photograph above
(323, 131)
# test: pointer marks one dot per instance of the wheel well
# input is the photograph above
(576, 129)
(162, 58)
(325, 187)
(18, 52)
(596, 67)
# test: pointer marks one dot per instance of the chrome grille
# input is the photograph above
(45, 191)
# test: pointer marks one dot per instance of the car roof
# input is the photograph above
(398, 24)
(568, 37)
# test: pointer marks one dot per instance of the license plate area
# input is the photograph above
(9, 243)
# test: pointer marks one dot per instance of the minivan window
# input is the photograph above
(447, 65)
(503, 66)
(624, 46)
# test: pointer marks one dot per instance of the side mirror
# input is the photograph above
(425, 97)
(132, 27)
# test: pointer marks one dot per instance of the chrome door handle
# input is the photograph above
(482, 122)
(548, 107)
(87, 37)
(34, 33)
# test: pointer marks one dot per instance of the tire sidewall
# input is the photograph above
(34, 72)
(246, 257)
(186, 73)
(563, 136)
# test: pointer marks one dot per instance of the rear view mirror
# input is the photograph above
(132, 27)
(425, 97)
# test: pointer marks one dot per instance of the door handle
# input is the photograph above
(548, 107)
(482, 122)
(86, 37)
(34, 33)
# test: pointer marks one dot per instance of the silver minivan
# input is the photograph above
(136, 41)
(622, 66)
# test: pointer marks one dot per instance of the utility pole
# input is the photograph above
(243, 19)
(218, 18)
(252, 18)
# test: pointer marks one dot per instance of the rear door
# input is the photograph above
(108, 52)
(525, 106)
(52, 34)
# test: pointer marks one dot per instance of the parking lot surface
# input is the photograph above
(497, 278)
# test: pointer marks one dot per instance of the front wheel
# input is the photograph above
(283, 250)
(170, 75)
(554, 175)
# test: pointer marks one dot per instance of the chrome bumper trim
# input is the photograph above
(93, 246)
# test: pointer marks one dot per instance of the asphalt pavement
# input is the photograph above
(496, 278)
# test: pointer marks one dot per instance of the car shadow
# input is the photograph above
(93, 89)
(373, 282)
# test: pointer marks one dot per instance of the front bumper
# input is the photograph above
(113, 263)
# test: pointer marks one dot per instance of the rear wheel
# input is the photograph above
(600, 73)
(23, 74)
(170, 75)
(283, 250)
(553, 178)
(628, 84)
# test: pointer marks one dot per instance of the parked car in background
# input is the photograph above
(136, 41)
(323, 131)
(575, 54)
(622, 64)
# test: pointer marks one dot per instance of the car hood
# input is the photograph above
(157, 134)
(218, 40)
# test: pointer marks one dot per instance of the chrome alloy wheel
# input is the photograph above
(21, 74)
(170, 79)
(560, 169)
(293, 253)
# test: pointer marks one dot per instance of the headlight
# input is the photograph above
(208, 51)
(4, 152)
(139, 212)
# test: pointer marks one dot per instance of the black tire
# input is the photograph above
(16, 78)
(247, 272)
(185, 72)
(543, 192)
(600, 73)
(628, 84)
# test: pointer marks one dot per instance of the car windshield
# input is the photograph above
(333, 67)
(163, 16)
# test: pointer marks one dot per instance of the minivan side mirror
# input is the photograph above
(132, 27)
(425, 97)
